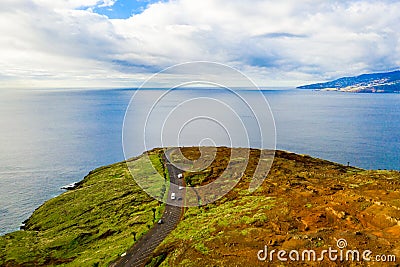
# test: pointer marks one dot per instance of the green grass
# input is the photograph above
(93, 224)
(294, 207)
(207, 225)
(195, 178)
(249, 209)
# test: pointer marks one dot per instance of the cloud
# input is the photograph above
(283, 35)
(274, 42)
(107, 3)
(66, 4)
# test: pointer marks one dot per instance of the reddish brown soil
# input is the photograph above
(317, 203)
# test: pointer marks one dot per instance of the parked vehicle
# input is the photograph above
(173, 196)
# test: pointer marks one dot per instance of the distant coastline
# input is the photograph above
(387, 82)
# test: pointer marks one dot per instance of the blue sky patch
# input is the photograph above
(123, 9)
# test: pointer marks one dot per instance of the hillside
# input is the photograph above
(88, 226)
(304, 203)
(388, 82)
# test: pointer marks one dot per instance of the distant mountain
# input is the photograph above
(388, 82)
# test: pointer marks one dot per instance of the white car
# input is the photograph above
(180, 176)
(173, 196)
(180, 187)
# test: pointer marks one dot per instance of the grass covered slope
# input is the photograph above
(304, 203)
(90, 225)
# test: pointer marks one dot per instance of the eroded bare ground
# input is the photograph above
(304, 203)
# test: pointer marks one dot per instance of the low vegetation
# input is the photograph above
(304, 203)
(92, 224)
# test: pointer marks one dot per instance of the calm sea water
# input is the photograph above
(52, 138)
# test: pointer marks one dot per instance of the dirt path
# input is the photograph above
(139, 253)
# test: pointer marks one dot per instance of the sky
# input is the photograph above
(121, 43)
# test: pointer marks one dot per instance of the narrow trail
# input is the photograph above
(140, 252)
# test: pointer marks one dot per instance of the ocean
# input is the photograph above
(50, 138)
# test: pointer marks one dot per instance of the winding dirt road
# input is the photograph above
(139, 253)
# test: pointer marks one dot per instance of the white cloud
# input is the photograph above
(71, 4)
(107, 3)
(67, 4)
(274, 42)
